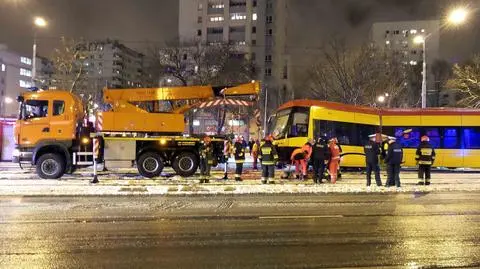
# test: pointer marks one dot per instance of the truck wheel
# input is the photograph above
(150, 164)
(50, 166)
(185, 164)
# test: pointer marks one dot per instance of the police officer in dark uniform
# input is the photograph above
(425, 157)
(393, 159)
(372, 150)
(268, 156)
(239, 153)
(320, 153)
(206, 159)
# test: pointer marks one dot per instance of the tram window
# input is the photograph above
(471, 138)
(434, 136)
(450, 138)
(364, 131)
(299, 125)
(410, 139)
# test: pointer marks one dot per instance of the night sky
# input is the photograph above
(138, 22)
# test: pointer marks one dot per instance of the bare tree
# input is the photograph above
(69, 65)
(194, 63)
(358, 76)
(466, 80)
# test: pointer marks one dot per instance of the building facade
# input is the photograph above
(15, 77)
(256, 27)
(113, 65)
(399, 38)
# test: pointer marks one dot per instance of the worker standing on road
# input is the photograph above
(425, 157)
(319, 155)
(268, 157)
(239, 152)
(334, 163)
(372, 150)
(227, 151)
(255, 151)
(206, 159)
(393, 159)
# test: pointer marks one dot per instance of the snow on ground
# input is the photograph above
(14, 181)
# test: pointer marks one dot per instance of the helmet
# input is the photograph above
(269, 138)
(425, 138)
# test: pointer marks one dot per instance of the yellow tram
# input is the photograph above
(454, 133)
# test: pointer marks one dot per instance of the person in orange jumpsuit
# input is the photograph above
(300, 157)
(334, 159)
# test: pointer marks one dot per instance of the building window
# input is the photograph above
(269, 32)
(254, 42)
(26, 60)
(240, 43)
(58, 107)
(25, 72)
(237, 16)
(253, 56)
(199, 32)
(254, 3)
(269, 19)
(217, 6)
(254, 29)
(285, 72)
(199, 19)
(25, 84)
(200, 6)
(396, 32)
(254, 16)
(268, 72)
(218, 18)
(3, 67)
(218, 30)
(268, 58)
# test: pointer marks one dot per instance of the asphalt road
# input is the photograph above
(281, 231)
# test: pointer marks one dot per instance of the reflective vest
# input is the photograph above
(425, 154)
(206, 153)
(268, 154)
(239, 152)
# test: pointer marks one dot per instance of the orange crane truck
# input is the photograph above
(53, 134)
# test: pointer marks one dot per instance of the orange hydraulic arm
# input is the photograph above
(127, 116)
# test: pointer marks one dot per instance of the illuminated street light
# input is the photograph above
(381, 99)
(169, 80)
(40, 22)
(419, 39)
(8, 100)
(457, 16)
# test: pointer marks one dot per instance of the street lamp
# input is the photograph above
(381, 99)
(455, 17)
(38, 22)
(8, 100)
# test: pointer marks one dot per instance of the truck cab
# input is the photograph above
(46, 130)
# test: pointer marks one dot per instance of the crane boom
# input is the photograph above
(157, 94)
(127, 115)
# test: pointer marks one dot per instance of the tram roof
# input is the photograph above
(438, 111)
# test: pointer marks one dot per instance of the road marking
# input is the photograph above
(301, 217)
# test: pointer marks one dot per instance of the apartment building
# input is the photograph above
(256, 27)
(399, 37)
(114, 65)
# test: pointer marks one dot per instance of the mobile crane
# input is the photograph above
(53, 135)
